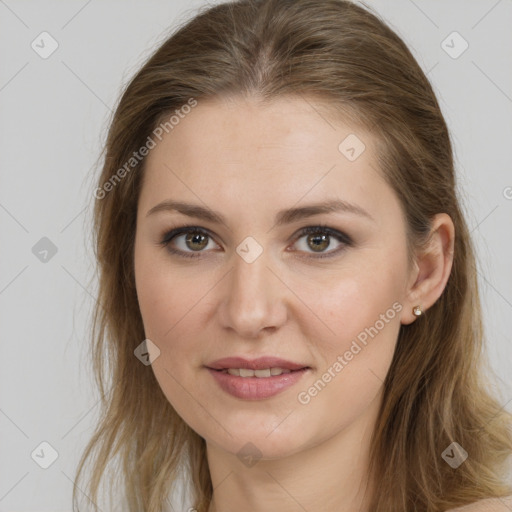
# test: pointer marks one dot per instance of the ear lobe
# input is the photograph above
(432, 268)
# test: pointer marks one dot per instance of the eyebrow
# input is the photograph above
(283, 217)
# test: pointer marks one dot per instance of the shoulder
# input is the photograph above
(488, 505)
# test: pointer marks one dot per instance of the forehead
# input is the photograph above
(240, 149)
(288, 128)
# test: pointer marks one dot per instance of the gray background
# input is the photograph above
(54, 116)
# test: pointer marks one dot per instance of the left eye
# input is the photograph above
(317, 238)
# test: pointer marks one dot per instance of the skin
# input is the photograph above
(247, 161)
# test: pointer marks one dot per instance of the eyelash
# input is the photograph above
(320, 228)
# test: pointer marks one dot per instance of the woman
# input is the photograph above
(288, 297)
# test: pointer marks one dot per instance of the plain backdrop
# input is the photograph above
(54, 116)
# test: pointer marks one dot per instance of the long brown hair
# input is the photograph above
(436, 391)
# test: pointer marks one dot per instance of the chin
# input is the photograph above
(264, 443)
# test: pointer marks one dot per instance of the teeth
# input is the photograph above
(246, 372)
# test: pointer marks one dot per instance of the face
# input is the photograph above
(250, 281)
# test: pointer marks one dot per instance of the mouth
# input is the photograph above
(267, 363)
(248, 384)
(263, 373)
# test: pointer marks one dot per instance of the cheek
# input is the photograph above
(359, 309)
(166, 303)
(364, 317)
(166, 298)
(172, 304)
(347, 303)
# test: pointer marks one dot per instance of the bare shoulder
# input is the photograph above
(488, 505)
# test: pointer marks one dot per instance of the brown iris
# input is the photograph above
(319, 242)
(196, 238)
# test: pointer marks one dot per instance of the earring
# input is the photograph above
(416, 311)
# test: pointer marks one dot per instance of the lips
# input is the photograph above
(255, 388)
(260, 363)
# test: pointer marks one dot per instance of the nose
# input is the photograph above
(253, 298)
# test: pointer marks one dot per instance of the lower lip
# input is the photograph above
(256, 388)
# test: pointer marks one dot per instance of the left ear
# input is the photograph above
(432, 268)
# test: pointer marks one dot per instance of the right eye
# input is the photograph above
(193, 240)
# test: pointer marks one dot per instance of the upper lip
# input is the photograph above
(255, 364)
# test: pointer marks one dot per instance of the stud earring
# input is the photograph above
(416, 311)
